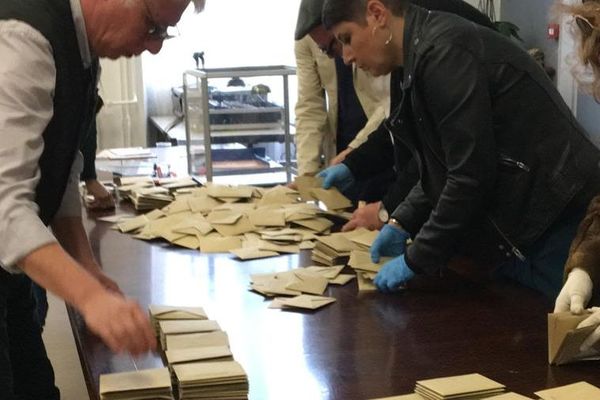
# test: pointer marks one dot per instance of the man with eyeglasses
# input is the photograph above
(48, 78)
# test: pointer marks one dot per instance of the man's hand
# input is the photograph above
(393, 275)
(102, 199)
(339, 176)
(391, 242)
(119, 322)
(576, 292)
(594, 337)
(365, 217)
(341, 156)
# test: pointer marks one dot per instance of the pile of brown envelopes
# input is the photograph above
(575, 391)
(305, 285)
(147, 384)
(565, 340)
(249, 222)
(224, 380)
(336, 248)
(470, 386)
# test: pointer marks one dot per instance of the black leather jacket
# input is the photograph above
(500, 155)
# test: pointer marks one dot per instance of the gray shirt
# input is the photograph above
(27, 82)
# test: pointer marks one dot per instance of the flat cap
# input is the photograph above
(309, 16)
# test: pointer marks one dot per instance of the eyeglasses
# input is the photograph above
(585, 25)
(156, 30)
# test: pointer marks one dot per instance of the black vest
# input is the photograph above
(74, 95)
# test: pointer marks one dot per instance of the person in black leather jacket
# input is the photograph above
(505, 170)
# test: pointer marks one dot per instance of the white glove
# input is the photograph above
(594, 337)
(576, 292)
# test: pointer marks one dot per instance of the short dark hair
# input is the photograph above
(336, 11)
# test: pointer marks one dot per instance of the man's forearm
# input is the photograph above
(72, 236)
(52, 268)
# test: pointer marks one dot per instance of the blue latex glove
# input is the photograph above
(338, 175)
(393, 275)
(390, 242)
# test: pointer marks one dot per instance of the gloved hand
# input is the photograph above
(594, 337)
(576, 292)
(390, 242)
(392, 275)
(338, 175)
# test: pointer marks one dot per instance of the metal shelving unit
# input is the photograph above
(196, 97)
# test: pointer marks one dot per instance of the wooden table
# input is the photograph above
(363, 346)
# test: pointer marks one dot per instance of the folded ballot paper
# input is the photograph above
(565, 340)
(469, 386)
(211, 380)
(150, 384)
(576, 391)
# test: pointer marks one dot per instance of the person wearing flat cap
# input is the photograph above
(338, 105)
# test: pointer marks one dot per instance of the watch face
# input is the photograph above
(383, 215)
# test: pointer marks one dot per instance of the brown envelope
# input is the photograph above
(307, 283)
(194, 340)
(564, 339)
(362, 260)
(307, 301)
(316, 224)
(208, 353)
(332, 198)
(221, 191)
(470, 384)
(326, 272)
(576, 391)
(509, 396)
(365, 284)
(158, 378)
(267, 217)
(412, 396)
(342, 279)
(252, 253)
(188, 241)
(240, 227)
(188, 326)
(161, 312)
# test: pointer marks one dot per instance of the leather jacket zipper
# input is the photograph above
(513, 248)
(511, 162)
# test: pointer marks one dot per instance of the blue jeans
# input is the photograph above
(25, 371)
(543, 267)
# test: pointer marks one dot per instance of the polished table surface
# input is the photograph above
(365, 345)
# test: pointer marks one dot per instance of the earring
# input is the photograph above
(389, 40)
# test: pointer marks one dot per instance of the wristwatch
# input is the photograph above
(382, 214)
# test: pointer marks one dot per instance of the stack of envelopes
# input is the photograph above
(462, 387)
(333, 249)
(575, 391)
(366, 269)
(415, 396)
(168, 313)
(151, 384)
(225, 380)
(180, 327)
(149, 198)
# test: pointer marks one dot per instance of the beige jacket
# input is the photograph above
(316, 114)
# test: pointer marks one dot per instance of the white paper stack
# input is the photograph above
(462, 387)
(151, 384)
(224, 380)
